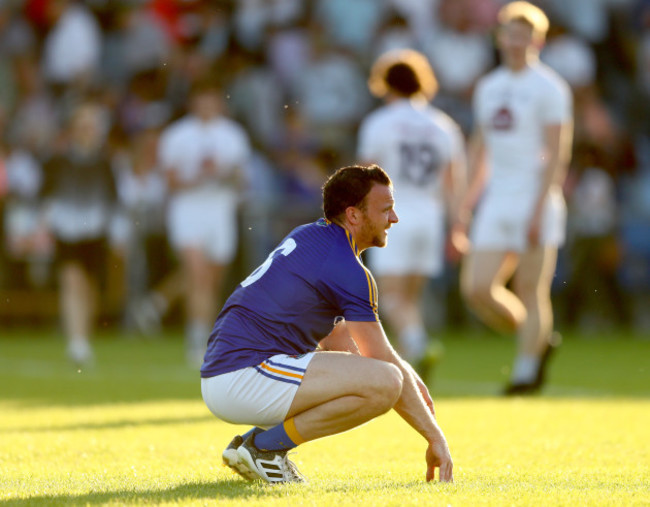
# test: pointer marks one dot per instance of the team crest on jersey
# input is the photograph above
(323, 222)
(503, 119)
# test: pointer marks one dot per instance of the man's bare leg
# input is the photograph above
(401, 299)
(341, 391)
(484, 275)
(77, 306)
(203, 280)
(532, 283)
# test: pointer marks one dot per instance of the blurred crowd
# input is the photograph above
(293, 73)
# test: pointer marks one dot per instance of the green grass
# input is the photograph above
(133, 430)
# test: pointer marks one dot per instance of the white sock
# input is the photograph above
(196, 335)
(79, 349)
(413, 342)
(525, 369)
(160, 302)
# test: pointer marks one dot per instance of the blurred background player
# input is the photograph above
(79, 199)
(518, 157)
(154, 282)
(203, 155)
(422, 149)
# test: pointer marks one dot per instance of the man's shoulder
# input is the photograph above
(377, 116)
(549, 80)
(443, 120)
(321, 231)
(492, 77)
(182, 126)
(330, 239)
(224, 124)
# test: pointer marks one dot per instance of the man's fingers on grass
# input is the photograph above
(446, 473)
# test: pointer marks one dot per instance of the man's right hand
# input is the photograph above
(438, 456)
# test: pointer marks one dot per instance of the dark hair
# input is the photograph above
(349, 186)
(402, 79)
(204, 86)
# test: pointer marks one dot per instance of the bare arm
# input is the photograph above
(476, 175)
(558, 138)
(210, 171)
(176, 183)
(454, 182)
(411, 405)
(476, 178)
(339, 340)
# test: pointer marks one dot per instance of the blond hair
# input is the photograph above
(417, 62)
(527, 13)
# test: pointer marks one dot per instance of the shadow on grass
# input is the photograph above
(162, 421)
(208, 491)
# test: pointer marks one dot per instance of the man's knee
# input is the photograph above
(475, 293)
(386, 387)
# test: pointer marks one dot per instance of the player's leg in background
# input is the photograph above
(77, 297)
(532, 283)
(400, 306)
(202, 279)
(483, 279)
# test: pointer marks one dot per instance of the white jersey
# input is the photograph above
(414, 143)
(188, 142)
(204, 216)
(512, 109)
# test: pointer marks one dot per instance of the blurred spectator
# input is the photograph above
(394, 33)
(255, 97)
(350, 24)
(203, 155)
(588, 19)
(332, 97)
(252, 19)
(572, 58)
(144, 103)
(136, 42)
(420, 14)
(289, 51)
(72, 48)
(593, 290)
(459, 36)
(36, 119)
(79, 198)
(28, 253)
(154, 282)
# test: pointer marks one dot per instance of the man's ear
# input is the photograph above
(353, 215)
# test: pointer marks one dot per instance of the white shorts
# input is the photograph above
(204, 218)
(502, 224)
(416, 245)
(258, 395)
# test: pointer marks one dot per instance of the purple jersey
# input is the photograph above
(291, 302)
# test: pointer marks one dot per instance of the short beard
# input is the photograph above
(377, 240)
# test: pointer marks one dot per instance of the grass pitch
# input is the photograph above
(133, 430)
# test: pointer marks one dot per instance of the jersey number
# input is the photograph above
(418, 162)
(285, 249)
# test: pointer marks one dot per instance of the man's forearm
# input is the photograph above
(558, 141)
(412, 407)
